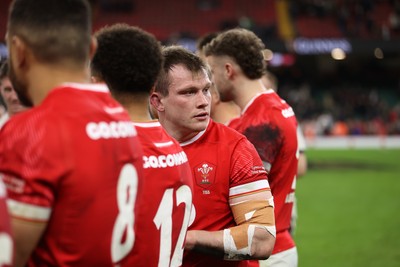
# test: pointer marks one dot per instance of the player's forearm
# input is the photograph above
(262, 244)
(221, 244)
(208, 242)
(248, 241)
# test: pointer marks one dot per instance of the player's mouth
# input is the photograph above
(202, 116)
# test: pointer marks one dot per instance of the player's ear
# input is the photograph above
(96, 79)
(157, 101)
(93, 47)
(19, 52)
(229, 70)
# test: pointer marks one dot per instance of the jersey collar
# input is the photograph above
(196, 137)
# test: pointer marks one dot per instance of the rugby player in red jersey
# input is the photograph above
(72, 164)
(237, 64)
(129, 60)
(233, 205)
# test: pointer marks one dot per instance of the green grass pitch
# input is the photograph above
(349, 209)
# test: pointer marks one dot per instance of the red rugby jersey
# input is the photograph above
(163, 210)
(74, 162)
(221, 159)
(270, 124)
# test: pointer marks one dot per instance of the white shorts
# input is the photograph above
(293, 219)
(287, 258)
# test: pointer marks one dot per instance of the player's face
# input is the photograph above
(187, 106)
(10, 97)
(219, 77)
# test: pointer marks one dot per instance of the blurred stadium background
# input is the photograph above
(338, 64)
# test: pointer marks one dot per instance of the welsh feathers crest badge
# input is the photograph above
(205, 174)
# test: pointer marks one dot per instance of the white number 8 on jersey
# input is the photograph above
(126, 196)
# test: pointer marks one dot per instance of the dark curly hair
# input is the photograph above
(128, 59)
(244, 47)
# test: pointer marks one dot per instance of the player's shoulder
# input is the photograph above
(267, 107)
(153, 132)
(36, 122)
(29, 136)
(149, 126)
(278, 104)
(27, 122)
(266, 101)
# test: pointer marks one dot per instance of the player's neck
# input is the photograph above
(179, 134)
(137, 105)
(225, 111)
(44, 78)
(245, 90)
(138, 112)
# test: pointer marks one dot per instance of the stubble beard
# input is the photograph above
(225, 96)
(20, 88)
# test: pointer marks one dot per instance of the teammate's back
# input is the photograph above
(72, 163)
(129, 61)
(80, 171)
(163, 211)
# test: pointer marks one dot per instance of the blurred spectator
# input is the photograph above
(344, 109)
(340, 128)
(394, 20)
(185, 39)
(10, 97)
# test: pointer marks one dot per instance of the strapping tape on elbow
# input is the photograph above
(242, 245)
(238, 241)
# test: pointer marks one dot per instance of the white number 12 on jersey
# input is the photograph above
(163, 220)
(126, 196)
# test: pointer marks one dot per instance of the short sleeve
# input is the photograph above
(30, 157)
(246, 166)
